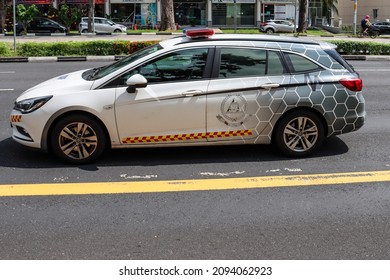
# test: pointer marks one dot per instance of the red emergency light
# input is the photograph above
(199, 33)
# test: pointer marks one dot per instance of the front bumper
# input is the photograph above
(26, 128)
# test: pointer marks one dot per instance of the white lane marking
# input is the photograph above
(285, 169)
(222, 174)
(372, 70)
(7, 89)
(61, 179)
(125, 176)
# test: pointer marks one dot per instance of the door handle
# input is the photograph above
(192, 92)
(269, 86)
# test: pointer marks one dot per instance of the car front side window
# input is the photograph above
(184, 65)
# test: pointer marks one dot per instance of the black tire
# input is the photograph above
(299, 133)
(78, 139)
(117, 31)
(269, 31)
(374, 34)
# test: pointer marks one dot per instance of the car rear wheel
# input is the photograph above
(299, 133)
(269, 31)
(78, 139)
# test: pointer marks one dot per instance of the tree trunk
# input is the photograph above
(167, 16)
(2, 15)
(302, 22)
(90, 15)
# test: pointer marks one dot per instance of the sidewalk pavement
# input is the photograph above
(150, 37)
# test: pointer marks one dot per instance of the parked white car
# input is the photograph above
(203, 89)
(101, 25)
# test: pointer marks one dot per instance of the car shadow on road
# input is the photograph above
(17, 156)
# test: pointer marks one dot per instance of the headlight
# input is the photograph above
(30, 105)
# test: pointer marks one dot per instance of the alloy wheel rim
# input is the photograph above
(300, 134)
(78, 140)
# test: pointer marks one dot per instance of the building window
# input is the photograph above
(223, 14)
(375, 13)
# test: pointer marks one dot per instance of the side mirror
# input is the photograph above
(136, 81)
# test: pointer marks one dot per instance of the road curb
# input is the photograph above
(90, 34)
(60, 59)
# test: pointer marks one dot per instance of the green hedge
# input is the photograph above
(4, 49)
(122, 47)
(361, 48)
(80, 48)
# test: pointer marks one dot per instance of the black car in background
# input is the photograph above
(383, 26)
(41, 25)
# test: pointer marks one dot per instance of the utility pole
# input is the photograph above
(14, 19)
(354, 16)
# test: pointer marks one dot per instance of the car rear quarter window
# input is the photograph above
(300, 64)
(337, 61)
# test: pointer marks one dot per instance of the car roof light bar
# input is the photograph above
(199, 33)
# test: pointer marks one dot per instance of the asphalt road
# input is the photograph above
(344, 221)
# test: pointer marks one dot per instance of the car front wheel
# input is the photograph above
(78, 139)
(299, 133)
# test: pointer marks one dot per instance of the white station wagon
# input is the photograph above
(199, 89)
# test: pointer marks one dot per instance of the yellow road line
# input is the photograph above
(193, 185)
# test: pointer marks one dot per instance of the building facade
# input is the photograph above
(379, 10)
(211, 13)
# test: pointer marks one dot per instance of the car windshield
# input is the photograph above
(100, 72)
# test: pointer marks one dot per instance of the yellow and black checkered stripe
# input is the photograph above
(185, 137)
(16, 118)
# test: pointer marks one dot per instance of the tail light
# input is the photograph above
(354, 84)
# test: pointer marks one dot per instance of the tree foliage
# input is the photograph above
(26, 15)
(69, 15)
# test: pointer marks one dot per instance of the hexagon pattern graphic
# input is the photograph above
(318, 90)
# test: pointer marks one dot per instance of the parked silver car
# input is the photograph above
(272, 26)
(101, 25)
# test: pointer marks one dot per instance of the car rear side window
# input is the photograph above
(236, 63)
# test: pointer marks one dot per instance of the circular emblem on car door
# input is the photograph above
(233, 110)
